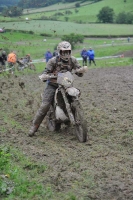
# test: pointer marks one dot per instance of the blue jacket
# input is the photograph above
(84, 54)
(91, 54)
(48, 55)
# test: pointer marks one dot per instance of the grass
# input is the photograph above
(12, 184)
(34, 44)
(57, 28)
(55, 7)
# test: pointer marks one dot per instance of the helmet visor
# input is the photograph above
(65, 53)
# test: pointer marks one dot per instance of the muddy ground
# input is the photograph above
(101, 168)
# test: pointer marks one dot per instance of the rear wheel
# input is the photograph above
(80, 129)
(51, 122)
(32, 67)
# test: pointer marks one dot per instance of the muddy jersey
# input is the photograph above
(56, 65)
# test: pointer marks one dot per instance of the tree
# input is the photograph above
(124, 18)
(77, 5)
(73, 39)
(12, 11)
(106, 15)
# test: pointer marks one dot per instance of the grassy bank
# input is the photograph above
(19, 176)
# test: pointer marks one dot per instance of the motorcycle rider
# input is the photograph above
(61, 63)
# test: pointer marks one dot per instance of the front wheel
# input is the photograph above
(80, 127)
(52, 125)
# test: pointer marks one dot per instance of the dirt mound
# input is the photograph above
(98, 169)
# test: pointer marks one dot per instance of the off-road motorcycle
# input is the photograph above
(66, 107)
(21, 65)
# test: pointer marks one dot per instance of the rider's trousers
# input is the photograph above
(47, 99)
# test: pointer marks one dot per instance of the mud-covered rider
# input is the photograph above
(3, 59)
(63, 62)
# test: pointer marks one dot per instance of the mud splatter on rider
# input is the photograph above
(64, 61)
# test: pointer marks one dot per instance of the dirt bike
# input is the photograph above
(22, 65)
(66, 107)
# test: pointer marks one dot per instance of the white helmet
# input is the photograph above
(64, 49)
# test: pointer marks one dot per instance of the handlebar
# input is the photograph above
(45, 77)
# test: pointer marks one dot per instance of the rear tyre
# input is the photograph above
(32, 67)
(52, 125)
(80, 129)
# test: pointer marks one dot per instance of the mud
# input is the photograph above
(101, 168)
(126, 54)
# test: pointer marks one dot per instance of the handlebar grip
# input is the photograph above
(45, 77)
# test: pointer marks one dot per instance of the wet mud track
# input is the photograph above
(101, 168)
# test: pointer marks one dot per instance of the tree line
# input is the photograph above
(107, 15)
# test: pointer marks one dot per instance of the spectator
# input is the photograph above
(48, 55)
(3, 59)
(112, 42)
(11, 59)
(84, 56)
(128, 39)
(91, 56)
(55, 53)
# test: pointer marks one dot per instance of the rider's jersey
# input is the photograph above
(56, 65)
(12, 58)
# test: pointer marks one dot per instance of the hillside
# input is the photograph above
(85, 13)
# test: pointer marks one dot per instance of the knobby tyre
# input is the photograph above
(80, 129)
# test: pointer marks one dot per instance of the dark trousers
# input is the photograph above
(84, 61)
(47, 99)
(92, 60)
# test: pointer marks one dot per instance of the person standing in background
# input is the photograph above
(91, 56)
(84, 56)
(48, 55)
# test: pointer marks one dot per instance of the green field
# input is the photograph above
(34, 45)
(57, 28)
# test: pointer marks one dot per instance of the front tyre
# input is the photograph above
(80, 128)
(52, 125)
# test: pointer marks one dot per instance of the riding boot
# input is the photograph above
(41, 113)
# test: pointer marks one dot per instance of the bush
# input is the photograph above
(73, 39)
(124, 18)
(68, 12)
(45, 34)
(58, 14)
(77, 5)
(66, 18)
(76, 10)
(31, 32)
(121, 18)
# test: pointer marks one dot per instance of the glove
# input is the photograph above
(44, 77)
(82, 70)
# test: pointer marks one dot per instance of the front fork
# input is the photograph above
(68, 108)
